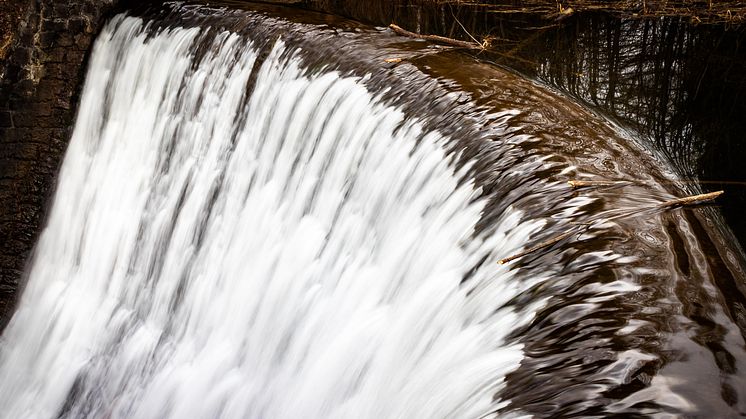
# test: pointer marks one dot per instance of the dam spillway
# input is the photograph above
(250, 223)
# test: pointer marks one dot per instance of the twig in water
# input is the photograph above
(691, 200)
(688, 200)
(435, 38)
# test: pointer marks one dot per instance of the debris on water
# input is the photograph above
(688, 200)
(691, 200)
(435, 38)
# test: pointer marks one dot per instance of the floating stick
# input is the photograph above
(435, 38)
(688, 200)
(691, 200)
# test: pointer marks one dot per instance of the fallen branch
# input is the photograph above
(688, 200)
(539, 246)
(435, 38)
(691, 200)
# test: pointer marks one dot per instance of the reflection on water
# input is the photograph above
(680, 86)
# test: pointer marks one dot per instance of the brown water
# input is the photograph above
(679, 85)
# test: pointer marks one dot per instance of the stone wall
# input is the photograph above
(43, 47)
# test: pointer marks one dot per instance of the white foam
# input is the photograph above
(297, 253)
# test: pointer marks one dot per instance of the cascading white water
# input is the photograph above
(295, 253)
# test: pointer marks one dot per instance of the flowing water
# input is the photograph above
(246, 228)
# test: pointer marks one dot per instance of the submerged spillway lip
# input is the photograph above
(412, 74)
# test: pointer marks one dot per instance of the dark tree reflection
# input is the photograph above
(681, 86)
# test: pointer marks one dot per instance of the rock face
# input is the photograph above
(43, 46)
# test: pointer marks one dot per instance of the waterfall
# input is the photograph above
(266, 214)
(298, 248)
